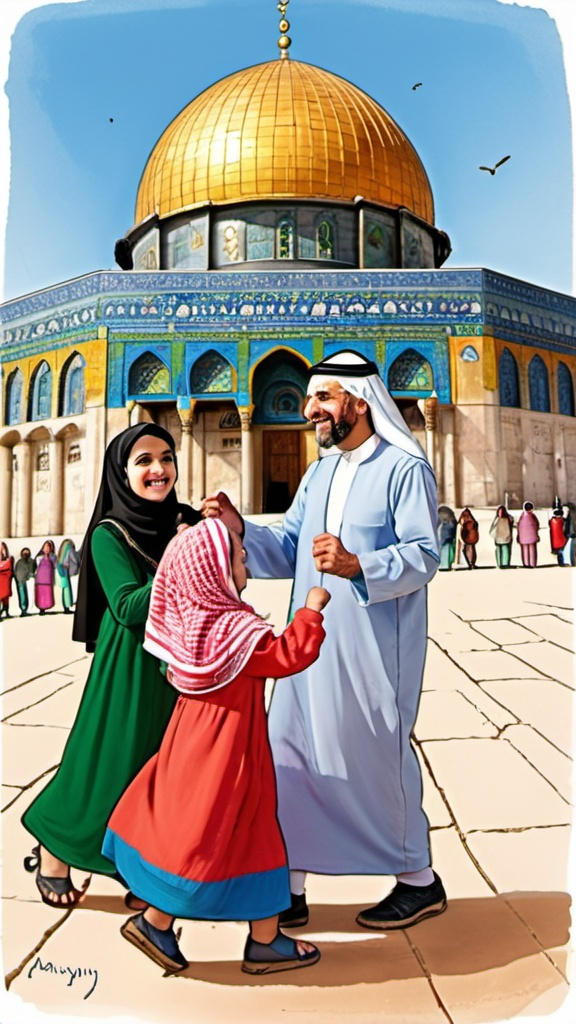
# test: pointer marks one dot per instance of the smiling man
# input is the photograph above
(362, 524)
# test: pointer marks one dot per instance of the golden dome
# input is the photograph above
(282, 130)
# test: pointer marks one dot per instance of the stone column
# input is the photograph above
(247, 460)
(94, 446)
(185, 459)
(431, 423)
(5, 491)
(23, 522)
(56, 520)
(198, 459)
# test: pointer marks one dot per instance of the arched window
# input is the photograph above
(148, 376)
(410, 372)
(325, 240)
(285, 232)
(211, 373)
(508, 381)
(538, 385)
(72, 387)
(41, 393)
(14, 393)
(565, 391)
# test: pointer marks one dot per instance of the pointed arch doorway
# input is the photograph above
(287, 447)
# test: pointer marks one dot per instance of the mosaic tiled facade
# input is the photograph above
(217, 357)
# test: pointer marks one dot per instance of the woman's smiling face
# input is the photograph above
(151, 469)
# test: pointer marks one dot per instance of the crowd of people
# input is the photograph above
(38, 578)
(458, 537)
(176, 781)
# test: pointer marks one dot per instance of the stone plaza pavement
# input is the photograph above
(495, 739)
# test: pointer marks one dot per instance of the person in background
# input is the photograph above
(24, 571)
(6, 574)
(447, 526)
(44, 580)
(570, 534)
(557, 538)
(501, 533)
(468, 537)
(528, 530)
(67, 565)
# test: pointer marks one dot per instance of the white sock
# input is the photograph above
(297, 883)
(423, 877)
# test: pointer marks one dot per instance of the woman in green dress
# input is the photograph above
(126, 702)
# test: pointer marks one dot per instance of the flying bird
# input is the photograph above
(417, 86)
(492, 170)
(111, 120)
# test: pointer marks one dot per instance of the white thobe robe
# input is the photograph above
(349, 783)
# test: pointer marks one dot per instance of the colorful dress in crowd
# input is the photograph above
(6, 574)
(528, 529)
(67, 565)
(557, 525)
(44, 579)
(196, 833)
(126, 702)
(447, 526)
(469, 536)
(501, 533)
(24, 571)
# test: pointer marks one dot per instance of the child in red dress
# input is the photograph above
(196, 834)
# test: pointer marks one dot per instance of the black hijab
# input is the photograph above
(151, 524)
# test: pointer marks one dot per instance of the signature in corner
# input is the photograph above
(72, 973)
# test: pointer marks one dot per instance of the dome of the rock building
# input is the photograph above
(282, 130)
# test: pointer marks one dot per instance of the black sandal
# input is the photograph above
(279, 955)
(57, 887)
(159, 944)
(133, 902)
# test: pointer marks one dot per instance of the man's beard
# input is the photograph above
(338, 431)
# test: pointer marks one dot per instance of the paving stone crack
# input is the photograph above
(422, 962)
(543, 949)
(35, 703)
(42, 675)
(516, 828)
(459, 832)
(9, 978)
(537, 733)
(29, 785)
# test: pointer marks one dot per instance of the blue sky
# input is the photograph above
(493, 84)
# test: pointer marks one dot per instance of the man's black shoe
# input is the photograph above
(297, 914)
(405, 906)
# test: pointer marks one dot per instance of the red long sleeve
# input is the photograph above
(293, 651)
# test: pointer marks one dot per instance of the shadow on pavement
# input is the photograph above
(471, 937)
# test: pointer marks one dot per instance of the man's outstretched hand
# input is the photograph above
(219, 506)
(332, 557)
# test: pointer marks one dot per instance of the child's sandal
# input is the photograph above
(279, 955)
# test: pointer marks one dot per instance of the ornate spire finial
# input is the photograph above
(284, 42)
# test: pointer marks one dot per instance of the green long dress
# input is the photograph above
(122, 716)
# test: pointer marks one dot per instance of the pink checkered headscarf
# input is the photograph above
(197, 622)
